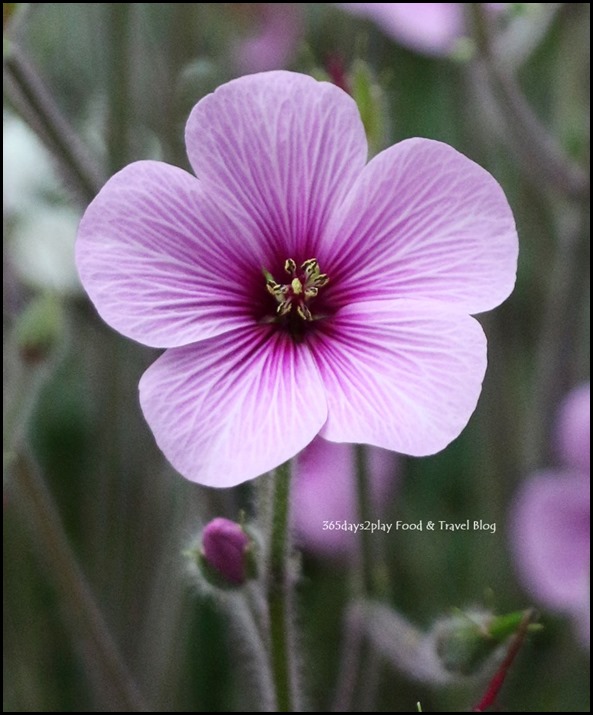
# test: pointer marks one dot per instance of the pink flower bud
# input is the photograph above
(224, 548)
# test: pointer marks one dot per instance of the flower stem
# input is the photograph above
(119, 63)
(245, 610)
(497, 681)
(278, 592)
(373, 582)
(30, 97)
(364, 509)
(359, 662)
(105, 665)
(25, 384)
(542, 158)
(350, 657)
(556, 350)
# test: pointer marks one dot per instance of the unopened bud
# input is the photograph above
(226, 558)
(465, 641)
(361, 84)
(370, 99)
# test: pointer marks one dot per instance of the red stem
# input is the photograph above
(499, 677)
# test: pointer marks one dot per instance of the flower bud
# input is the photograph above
(226, 558)
(464, 642)
(370, 99)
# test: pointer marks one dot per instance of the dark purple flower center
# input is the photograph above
(295, 298)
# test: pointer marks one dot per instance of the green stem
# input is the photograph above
(119, 63)
(105, 664)
(364, 514)
(350, 659)
(554, 369)
(360, 663)
(25, 385)
(30, 97)
(278, 592)
(373, 581)
(247, 609)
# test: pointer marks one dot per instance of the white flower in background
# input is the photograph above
(42, 225)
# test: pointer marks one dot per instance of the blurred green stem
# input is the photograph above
(373, 580)
(359, 661)
(30, 97)
(118, 82)
(542, 158)
(350, 659)
(279, 593)
(364, 514)
(557, 347)
(25, 383)
(248, 610)
(106, 667)
(372, 577)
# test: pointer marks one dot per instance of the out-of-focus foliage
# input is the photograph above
(126, 77)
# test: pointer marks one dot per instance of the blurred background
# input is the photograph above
(90, 87)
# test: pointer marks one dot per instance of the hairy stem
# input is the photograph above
(278, 593)
(245, 610)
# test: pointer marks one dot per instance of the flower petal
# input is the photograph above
(431, 27)
(550, 533)
(325, 491)
(231, 408)
(425, 222)
(403, 375)
(282, 147)
(153, 255)
(275, 42)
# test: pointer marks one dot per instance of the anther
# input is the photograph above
(290, 266)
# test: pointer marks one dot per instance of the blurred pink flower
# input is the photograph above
(325, 491)
(266, 351)
(574, 430)
(550, 520)
(430, 27)
(279, 28)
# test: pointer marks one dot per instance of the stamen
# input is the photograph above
(320, 280)
(304, 285)
(276, 289)
(290, 266)
(310, 267)
(284, 307)
(304, 312)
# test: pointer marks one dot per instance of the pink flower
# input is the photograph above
(224, 546)
(275, 42)
(298, 291)
(325, 493)
(550, 524)
(430, 27)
